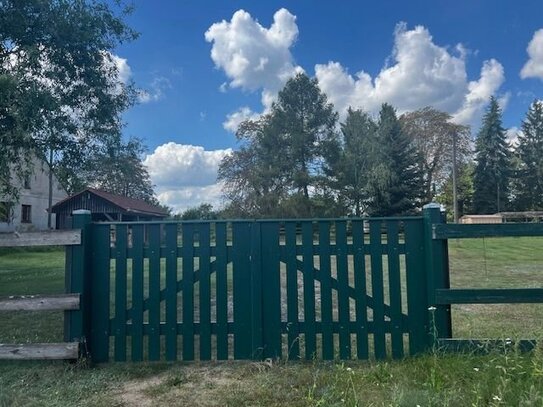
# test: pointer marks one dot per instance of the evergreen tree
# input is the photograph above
(529, 182)
(349, 161)
(397, 181)
(492, 172)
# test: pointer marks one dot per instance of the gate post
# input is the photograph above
(437, 274)
(77, 281)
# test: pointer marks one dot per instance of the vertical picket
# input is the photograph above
(171, 291)
(188, 291)
(309, 290)
(205, 291)
(241, 252)
(343, 290)
(271, 292)
(256, 292)
(395, 288)
(221, 290)
(120, 292)
(377, 290)
(137, 293)
(361, 309)
(154, 292)
(326, 291)
(292, 291)
(100, 292)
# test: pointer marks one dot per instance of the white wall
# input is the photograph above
(38, 198)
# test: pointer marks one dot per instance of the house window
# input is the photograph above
(26, 214)
(26, 182)
(5, 212)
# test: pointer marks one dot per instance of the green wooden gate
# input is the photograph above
(328, 288)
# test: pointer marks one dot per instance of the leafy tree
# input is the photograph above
(204, 211)
(492, 172)
(464, 191)
(529, 182)
(116, 168)
(59, 84)
(396, 180)
(433, 135)
(349, 161)
(276, 169)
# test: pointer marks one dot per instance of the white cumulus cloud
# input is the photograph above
(534, 66)
(254, 57)
(233, 120)
(185, 175)
(420, 74)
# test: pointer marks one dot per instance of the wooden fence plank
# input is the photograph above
(221, 290)
(395, 289)
(361, 307)
(188, 291)
(460, 231)
(137, 293)
(292, 291)
(489, 296)
(377, 290)
(205, 290)
(121, 240)
(309, 290)
(44, 351)
(343, 290)
(52, 238)
(171, 291)
(154, 292)
(59, 302)
(326, 291)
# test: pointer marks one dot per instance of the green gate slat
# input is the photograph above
(257, 315)
(361, 306)
(309, 290)
(343, 290)
(271, 292)
(292, 291)
(417, 305)
(395, 289)
(221, 291)
(241, 250)
(154, 291)
(188, 291)
(137, 293)
(205, 291)
(120, 292)
(171, 291)
(326, 291)
(100, 292)
(377, 290)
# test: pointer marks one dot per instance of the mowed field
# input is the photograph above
(506, 378)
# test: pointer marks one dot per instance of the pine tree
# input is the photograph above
(530, 157)
(492, 172)
(397, 182)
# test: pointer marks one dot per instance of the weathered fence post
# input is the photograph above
(77, 280)
(437, 273)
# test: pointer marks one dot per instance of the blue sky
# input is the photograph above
(204, 65)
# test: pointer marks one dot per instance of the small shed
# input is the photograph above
(469, 219)
(105, 206)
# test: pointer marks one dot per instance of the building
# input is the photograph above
(105, 206)
(470, 219)
(30, 211)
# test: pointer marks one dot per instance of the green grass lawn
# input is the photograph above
(436, 379)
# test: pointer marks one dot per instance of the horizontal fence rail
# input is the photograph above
(460, 231)
(252, 290)
(53, 238)
(490, 296)
(44, 351)
(60, 302)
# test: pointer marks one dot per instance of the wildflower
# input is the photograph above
(476, 369)
(432, 308)
(349, 369)
(497, 398)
